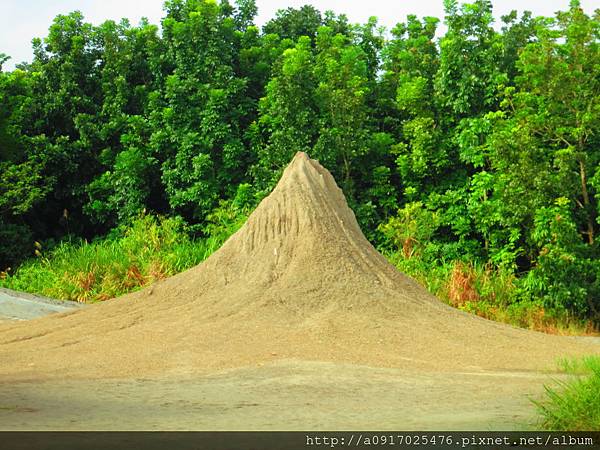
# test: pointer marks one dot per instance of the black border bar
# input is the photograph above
(297, 440)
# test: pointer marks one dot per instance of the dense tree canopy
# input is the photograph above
(481, 146)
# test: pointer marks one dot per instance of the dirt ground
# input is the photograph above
(285, 395)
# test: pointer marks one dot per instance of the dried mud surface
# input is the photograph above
(283, 395)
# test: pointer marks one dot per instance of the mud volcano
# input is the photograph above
(298, 281)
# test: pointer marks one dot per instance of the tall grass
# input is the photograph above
(150, 249)
(488, 292)
(575, 404)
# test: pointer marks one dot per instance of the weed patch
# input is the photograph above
(574, 405)
(150, 249)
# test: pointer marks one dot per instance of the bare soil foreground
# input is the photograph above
(283, 395)
(295, 323)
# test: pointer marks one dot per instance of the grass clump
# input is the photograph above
(132, 256)
(489, 292)
(147, 250)
(575, 404)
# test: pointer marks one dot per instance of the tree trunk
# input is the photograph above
(347, 172)
(586, 203)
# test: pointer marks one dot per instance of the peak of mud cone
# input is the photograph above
(301, 156)
(303, 234)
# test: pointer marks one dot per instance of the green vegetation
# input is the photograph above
(147, 250)
(575, 405)
(472, 161)
(491, 293)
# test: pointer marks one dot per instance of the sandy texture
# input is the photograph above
(298, 281)
(284, 395)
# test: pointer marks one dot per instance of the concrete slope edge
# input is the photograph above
(40, 299)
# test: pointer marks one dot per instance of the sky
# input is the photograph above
(22, 20)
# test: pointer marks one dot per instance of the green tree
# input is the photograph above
(341, 94)
(67, 93)
(198, 130)
(288, 112)
(130, 180)
(541, 152)
(292, 23)
(468, 76)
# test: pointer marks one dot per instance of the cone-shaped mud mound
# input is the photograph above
(298, 280)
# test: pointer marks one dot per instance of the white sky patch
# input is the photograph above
(22, 20)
